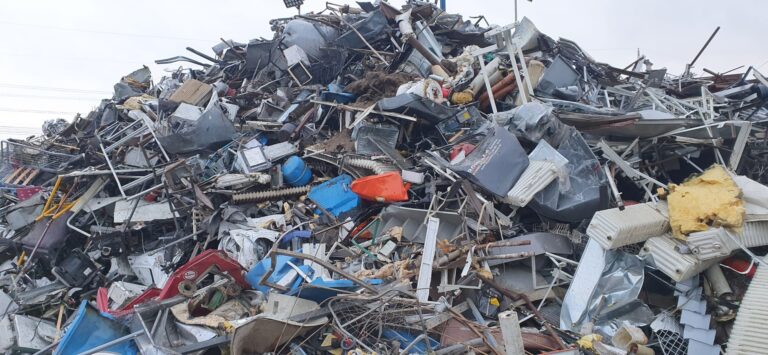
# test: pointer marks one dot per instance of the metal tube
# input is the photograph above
(525, 254)
(704, 47)
(479, 318)
(511, 51)
(460, 348)
(412, 344)
(524, 66)
(112, 343)
(487, 84)
(326, 265)
(501, 84)
(518, 296)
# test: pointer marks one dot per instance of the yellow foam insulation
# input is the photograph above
(462, 97)
(711, 198)
(587, 342)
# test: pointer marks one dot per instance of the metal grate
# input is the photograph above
(671, 343)
(668, 332)
(22, 155)
(633, 249)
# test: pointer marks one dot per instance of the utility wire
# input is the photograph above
(23, 110)
(47, 97)
(51, 88)
(60, 58)
(125, 34)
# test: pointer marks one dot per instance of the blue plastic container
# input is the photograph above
(296, 172)
(279, 272)
(334, 195)
(89, 330)
(319, 290)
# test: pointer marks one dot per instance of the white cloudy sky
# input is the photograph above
(61, 57)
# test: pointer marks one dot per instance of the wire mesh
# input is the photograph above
(671, 343)
(365, 319)
(22, 155)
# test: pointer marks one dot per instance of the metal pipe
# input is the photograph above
(703, 48)
(378, 55)
(113, 343)
(503, 92)
(326, 265)
(511, 50)
(520, 296)
(503, 83)
(479, 318)
(488, 88)
(490, 69)
(212, 59)
(409, 36)
(412, 344)
(460, 348)
(468, 324)
(525, 254)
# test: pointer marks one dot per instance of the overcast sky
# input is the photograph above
(61, 57)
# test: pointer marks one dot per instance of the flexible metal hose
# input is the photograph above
(376, 167)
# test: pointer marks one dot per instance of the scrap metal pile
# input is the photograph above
(392, 181)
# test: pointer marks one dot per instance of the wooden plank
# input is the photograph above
(12, 176)
(192, 92)
(32, 175)
(22, 176)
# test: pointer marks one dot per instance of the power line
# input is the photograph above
(47, 97)
(22, 110)
(126, 34)
(75, 59)
(51, 88)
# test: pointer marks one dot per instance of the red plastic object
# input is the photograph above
(24, 193)
(387, 187)
(150, 197)
(102, 301)
(446, 92)
(463, 147)
(741, 265)
(208, 262)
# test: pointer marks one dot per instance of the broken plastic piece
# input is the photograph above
(89, 329)
(387, 187)
(335, 195)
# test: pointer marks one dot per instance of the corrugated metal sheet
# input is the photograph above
(750, 330)
(535, 178)
(661, 251)
(614, 228)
